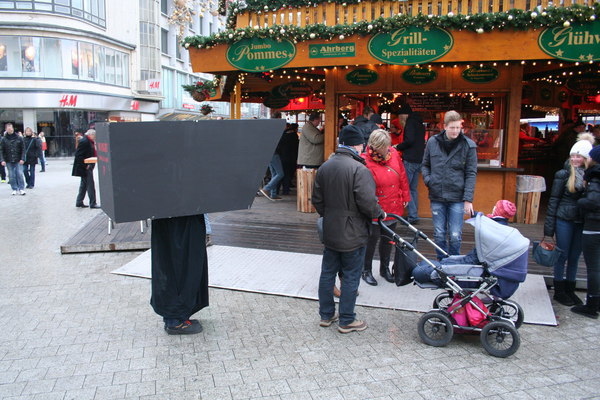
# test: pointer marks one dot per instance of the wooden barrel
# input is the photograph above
(305, 177)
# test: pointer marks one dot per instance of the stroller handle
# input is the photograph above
(417, 232)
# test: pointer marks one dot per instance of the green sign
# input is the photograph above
(331, 50)
(411, 45)
(572, 43)
(419, 76)
(275, 102)
(292, 90)
(362, 77)
(256, 54)
(483, 74)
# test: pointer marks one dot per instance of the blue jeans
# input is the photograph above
(29, 172)
(447, 221)
(569, 240)
(15, 174)
(412, 174)
(276, 175)
(350, 264)
(591, 254)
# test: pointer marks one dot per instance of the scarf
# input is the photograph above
(579, 185)
(447, 144)
(378, 158)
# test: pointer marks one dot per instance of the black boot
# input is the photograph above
(560, 295)
(384, 270)
(589, 309)
(368, 277)
(570, 291)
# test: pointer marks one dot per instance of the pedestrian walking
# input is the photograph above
(412, 148)
(85, 149)
(393, 194)
(590, 205)
(12, 156)
(270, 190)
(344, 195)
(449, 172)
(44, 144)
(565, 222)
(33, 148)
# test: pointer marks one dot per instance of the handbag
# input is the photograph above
(546, 253)
(404, 263)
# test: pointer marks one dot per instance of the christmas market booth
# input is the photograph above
(473, 57)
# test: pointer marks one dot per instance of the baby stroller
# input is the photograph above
(476, 297)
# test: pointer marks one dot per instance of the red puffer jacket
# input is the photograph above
(392, 187)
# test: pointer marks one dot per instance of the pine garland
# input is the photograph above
(514, 19)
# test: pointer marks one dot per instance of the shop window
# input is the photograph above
(30, 56)
(10, 56)
(89, 10)
(110, 65)
(52, 64)
(118, 68)
(70, 57)
(100, 62)
(86, 61)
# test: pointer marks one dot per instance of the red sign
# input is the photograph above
(154, 84)
(188, 106)
(135, 105)
(305, 103)
(68, 100)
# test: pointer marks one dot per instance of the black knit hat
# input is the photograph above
(595, 154)
(405, 109)
(351, 136)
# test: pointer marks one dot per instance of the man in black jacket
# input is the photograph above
(412, 148)
(85, 149)
(12, 156)
(344, 195)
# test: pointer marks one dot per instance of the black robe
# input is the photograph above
(179, 266)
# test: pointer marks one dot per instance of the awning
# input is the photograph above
(177, 116)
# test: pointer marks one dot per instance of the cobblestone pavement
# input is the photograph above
(72, 330)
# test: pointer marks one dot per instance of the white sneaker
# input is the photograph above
(22, 192)
(14, 192)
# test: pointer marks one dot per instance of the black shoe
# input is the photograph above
(94, 206)
(81, 205)
(413, 221)
(368, 278)
(189, 327)
(385, 274)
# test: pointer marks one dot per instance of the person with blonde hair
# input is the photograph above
(564, 220)
(449, 172)
(393, 194)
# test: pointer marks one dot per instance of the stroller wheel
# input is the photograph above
(435, 328)
(509, 310)
(500, 339)
(443, 300)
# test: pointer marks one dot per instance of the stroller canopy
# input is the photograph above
(500, 247)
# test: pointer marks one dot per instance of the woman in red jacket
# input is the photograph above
(393, 193)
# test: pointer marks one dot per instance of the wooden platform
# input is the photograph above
(94, 237)
(269, 226)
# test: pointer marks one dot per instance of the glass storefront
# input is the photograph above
(59, 127)
(44, 57)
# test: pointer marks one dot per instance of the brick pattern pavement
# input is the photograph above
(72, 330)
